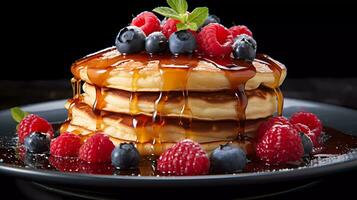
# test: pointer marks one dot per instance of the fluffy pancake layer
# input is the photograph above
(150, 148)
(144, 73)
(205, 106)
(156, 101)
(141, 129)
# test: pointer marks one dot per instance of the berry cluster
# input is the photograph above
(36, 134)
(279, 140)
(203, 35)
(282, 140)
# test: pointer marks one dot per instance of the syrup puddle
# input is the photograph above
(338, 147)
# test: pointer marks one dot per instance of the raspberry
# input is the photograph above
(308, 119)
(215, 40)
(33, 123)
(238, 30)
(169, 27)
(147, 22)
(185, 158)
(65, 164)
(280, 144)
(66, 145)
(305, 129)
(96, 149)
(265, 126)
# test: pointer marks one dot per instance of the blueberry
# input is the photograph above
(37, 142)
(211, 19)
(307, 144)
(130, 39)
(182, 42)
(228, 159)
(244, 47)
(156, 42)
(36, 160)
(125, 156)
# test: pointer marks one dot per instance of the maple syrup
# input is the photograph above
(175, 72)
(277, 72)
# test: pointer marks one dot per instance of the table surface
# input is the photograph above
(341, 92)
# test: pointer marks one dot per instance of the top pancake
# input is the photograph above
(141, 72)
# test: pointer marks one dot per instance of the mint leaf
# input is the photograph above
(18, 114)
(180, 6)
(186, 26)
(181, 26)
(167, 12)
(198, 16)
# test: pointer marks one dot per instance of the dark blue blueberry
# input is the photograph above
(244, 47)
(36, 160)
(307, 144)
(125, 156)
(227, 159)
(130, 39)
(211, 19)
(156, 42)
(37, 142)
(182, 42)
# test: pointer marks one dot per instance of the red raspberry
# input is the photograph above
(265, 126)
(147, 22)
(308, 119)
(185, 158)
(65, 164)
(96, 149)
(32, 123)
(238, 30)
(169, 27)
(215, 40)
(305, 129)
(66, 145)
(280, 144)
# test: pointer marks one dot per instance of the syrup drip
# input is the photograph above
(175, 72)
(238, 73)
(277, 70)
(280, 100)
(98, 106)
(138, 122)
(76, 90)
(157, 120)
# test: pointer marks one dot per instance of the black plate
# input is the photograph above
(340, 118)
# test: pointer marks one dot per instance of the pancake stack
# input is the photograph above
(156, 101)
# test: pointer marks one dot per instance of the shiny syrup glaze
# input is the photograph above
(174, 71)
(337, 147)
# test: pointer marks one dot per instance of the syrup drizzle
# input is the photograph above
(238, 73)
(277, 72)
(138, 123)
(175, 72)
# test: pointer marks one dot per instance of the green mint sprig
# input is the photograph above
(18, 114)
(178, 10)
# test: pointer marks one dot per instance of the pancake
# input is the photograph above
(204, 106)
(141, 72)
(155, 101)
(150, 148)
(122, 126)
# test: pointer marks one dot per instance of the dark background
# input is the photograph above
(40, 41)
(316, 41)
(43, 39)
